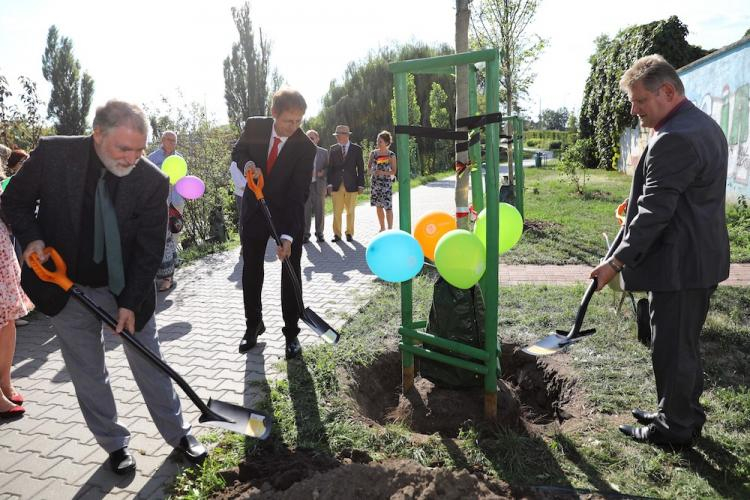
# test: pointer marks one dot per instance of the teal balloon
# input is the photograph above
(510, 228)
(460, 258)
(394, 256)
(5, 183)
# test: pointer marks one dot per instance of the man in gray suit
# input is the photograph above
(103, 207)
(675, 244)
(315, 205)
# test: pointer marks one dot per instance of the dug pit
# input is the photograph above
(531, 393)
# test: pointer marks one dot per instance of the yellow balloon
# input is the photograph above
(175, 167)
(430, 228)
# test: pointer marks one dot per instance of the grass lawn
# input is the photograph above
(565, 228)
(613, 375)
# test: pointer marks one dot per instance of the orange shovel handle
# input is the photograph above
(255, 186)
(57, 276)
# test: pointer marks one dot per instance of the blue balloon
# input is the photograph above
(394, 256)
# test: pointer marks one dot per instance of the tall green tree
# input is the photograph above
(246, 71)
(555, 119)
(605, 111)
(439, 118)
(503, 24)
(72, 92)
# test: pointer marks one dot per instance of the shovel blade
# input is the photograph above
(237, 419)
(320, 326)
(548, 345)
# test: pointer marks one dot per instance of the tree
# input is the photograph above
(502, 24)
(246, 71)
(605, 111)
(439, 118)
(72, 93)
(22, 125)
(555, 119)
(414, 115)
(572, 124)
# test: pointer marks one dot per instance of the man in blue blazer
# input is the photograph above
(277, 148)
(346, 179)
(675, 244)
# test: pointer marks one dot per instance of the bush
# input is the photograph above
(532, 143)
(555, 144)
(572, 163)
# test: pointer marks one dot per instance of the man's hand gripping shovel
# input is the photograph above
(311, 319)
(228, 416)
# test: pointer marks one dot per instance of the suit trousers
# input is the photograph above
(80, 335)
(238, 202)
(676, 322)
(315, 206)
(253, 255)
(342, 199)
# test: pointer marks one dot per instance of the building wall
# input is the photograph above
(719, 84)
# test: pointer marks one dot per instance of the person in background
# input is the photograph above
(382, 167)
(14, 304)
(103, 207)
(346, 179)
(315, 204)
(165, 274)
(276, 148)
(15, 162)
(675, 243)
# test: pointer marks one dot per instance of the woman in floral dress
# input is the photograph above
(382, 167)
(14, 304)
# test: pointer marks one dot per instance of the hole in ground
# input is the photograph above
(532, 392)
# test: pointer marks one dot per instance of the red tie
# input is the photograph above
(273, 155)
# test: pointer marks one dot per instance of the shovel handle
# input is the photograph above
(255, 186)
(57, 276)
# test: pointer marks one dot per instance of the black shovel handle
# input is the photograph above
(590, 291)
(59, 277)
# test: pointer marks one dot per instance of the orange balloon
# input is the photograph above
(430, 228)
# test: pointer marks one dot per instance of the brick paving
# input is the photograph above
(49, 453)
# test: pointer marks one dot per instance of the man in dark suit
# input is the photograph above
(277, 148)
(103, 206)
(346, 179)
(675, 244)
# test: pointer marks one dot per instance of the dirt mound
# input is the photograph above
(397, 479)
(531, 392)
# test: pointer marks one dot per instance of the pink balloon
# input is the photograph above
(190, 187)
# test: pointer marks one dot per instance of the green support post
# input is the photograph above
(404, 215)
(487, 357)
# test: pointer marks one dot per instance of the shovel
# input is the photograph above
(558, 340)
(311, 319)
(216, 413)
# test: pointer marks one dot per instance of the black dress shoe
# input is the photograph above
(192, 449)
(652, 435)
(251, 337)
(349, 237)
(320, 239)
(644, 417)
(121, 461)
(336, 238)
(293, 348)
(305, 240)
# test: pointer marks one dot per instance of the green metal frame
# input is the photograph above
(412, 332)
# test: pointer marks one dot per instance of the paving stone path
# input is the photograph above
(50, 454)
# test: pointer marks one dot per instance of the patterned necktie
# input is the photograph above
(343, 151)
(107, 236)
(273, 155)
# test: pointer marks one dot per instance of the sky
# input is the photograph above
(142, 50)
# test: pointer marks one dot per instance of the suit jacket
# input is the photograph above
(350, 170)
(287, 186)
(53, 178)
(676, 235)
(320, 165)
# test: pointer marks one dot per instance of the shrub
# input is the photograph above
(555, 144)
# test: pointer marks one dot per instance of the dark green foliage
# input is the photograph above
(362, 99)
(738, 225)
(71, 95)
(555, 119)
(555, 144)
(246, 71)
(20, 126)
(605, 111)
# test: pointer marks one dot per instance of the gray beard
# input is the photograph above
(116, 170)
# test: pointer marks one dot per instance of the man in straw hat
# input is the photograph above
(346, 179)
